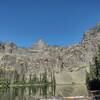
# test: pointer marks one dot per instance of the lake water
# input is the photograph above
(35, 93)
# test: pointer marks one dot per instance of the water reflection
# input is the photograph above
(27, 93)
(35, 93)
(71, 90)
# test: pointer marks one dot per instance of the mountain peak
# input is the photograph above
(40, 42)
(92, 33)
(39, 45)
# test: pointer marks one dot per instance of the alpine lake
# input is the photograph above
(43, 92)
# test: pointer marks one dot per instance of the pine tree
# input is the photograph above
(97, 65)
(16, 77)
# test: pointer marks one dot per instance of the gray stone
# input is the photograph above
(69, 64)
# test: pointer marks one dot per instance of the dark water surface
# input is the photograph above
(35, 93)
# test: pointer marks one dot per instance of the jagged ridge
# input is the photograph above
(68, 61)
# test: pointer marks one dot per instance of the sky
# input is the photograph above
(57, 22)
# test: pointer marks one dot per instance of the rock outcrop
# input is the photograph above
(68, 63)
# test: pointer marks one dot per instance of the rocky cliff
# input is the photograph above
(69, 64)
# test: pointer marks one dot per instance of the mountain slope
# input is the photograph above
(69, 64)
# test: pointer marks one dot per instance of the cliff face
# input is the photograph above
(69, 64)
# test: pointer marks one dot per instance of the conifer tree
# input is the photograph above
(97, 65)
